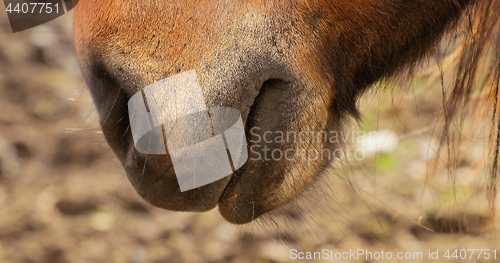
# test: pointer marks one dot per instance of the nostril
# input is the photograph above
(266, 91)
(273, 83)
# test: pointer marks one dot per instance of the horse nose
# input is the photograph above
(171, 115)
(188, 132)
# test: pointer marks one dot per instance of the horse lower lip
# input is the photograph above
(249, 123)
(231, 194)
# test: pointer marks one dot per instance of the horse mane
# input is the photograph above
(475, 86)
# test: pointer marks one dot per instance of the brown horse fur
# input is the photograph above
(286, 65)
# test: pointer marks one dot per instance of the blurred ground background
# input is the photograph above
(65, 198)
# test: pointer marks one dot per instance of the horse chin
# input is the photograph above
(258, 187)
(262, 186)
(277, 170)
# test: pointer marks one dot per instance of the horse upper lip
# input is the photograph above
(152, 175)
